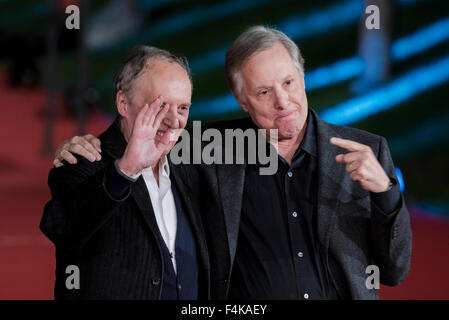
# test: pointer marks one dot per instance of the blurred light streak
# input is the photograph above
(340, 70)
(421, 40)
(298, 28)
(400, 178)
(397, 91)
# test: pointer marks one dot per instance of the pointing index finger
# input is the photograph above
(347, 144)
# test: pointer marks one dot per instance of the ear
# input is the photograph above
(122, 103)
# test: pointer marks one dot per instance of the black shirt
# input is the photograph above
(278, 256)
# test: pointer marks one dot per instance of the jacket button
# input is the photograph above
(156, 281)
(224, 281)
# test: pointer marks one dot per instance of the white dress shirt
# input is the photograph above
(163, 203)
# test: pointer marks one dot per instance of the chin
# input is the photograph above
(287, 134)
(288, 129)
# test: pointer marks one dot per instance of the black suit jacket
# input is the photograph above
(353, 231)
(115, 243)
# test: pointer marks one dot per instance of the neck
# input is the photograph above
(287, 147)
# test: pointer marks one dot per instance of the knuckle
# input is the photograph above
(75, 147)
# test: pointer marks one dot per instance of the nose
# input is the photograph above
(281, 97)
(171, 117)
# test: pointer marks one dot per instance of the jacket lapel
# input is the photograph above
(140, 194)
(231, 180)
(330, 180)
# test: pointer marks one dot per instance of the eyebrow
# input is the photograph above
(264, 87)
(288, 76)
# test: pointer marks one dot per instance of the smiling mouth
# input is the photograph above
(171, 132)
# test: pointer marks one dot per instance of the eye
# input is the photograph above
(183, 108)
(288, 82)
(263, 92)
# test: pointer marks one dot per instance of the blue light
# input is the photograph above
(421, 40)
(395, 92)
(297, 28)
(323, 20)
(214, 107)
(400, 179)
(339, 71)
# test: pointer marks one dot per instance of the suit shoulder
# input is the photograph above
(357, 135)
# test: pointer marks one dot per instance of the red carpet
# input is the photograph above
(27, 260)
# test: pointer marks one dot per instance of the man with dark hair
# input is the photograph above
(126, 222)
(333, 209)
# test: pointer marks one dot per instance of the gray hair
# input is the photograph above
(251, 41)
(136, 61)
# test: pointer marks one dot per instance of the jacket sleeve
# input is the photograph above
(391, 235)
(80, 202)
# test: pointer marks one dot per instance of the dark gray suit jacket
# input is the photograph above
(353, 231)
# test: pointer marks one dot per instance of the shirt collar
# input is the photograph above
(308, 143)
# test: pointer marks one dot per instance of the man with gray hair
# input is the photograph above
(124, 223)
(333, 209)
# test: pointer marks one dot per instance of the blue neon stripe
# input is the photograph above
(297, 28)
(336, 16)
(337, 72)
(421, 40)
(400, 179)
(341, 70)
(399, 90)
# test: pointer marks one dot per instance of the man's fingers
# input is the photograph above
(67, 156)
(355, 176)
(352, 166)
(94, 141)
(349, 157)
(160, 116)
(348, 144)
(57, 163)
(79, 149)
(152, 111)
(141, 115)
(91, 149)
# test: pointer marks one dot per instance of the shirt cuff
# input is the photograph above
(389, 200)
(117, 183)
